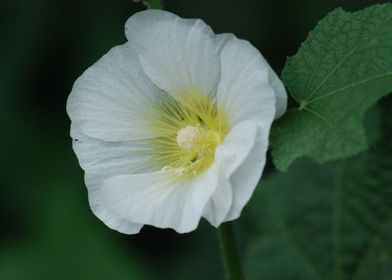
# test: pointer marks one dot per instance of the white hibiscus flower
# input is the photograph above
(173, 125)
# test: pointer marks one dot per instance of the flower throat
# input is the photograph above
(189, 131)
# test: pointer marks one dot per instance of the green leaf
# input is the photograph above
(329, 222)
(342, 69)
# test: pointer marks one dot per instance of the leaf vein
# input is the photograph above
(333, 71)
(341, 89)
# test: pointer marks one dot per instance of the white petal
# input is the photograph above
(101, 160)
(280, 94)
(220, 203)
(222, 39)
(112, 220)
(249, 90)
(109, 158)
(111, 98)
(229, 157)
(156, 199)
(249, 87)
(244, 180)
(177, 54)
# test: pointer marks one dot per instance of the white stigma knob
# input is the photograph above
(188, 137)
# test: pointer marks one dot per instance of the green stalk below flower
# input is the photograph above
(231, 260)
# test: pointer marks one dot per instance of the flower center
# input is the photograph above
(189, 137)
(189, 131)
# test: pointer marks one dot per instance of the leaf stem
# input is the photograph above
(229, 253)
(153, 4)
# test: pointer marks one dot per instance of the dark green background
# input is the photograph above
(47, 230)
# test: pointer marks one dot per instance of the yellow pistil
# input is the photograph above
(188, 133)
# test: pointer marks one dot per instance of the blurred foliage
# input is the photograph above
(326, 222)
(47, 230)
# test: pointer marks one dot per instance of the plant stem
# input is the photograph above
(229, 253)
(153, 4)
